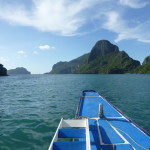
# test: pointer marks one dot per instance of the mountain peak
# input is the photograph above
(102, 48)
(103, 42)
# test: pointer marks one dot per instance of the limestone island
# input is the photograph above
(104, 58)
(18, 70)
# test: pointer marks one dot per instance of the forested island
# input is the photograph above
(104, 58)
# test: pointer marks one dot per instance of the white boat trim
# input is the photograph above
(88, 144)
(55, 138)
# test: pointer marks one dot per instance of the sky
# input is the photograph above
(36, 34)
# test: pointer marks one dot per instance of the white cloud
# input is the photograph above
(115, 23)
(134, 3)
(3, 59)
(46, 47)
(69, 17)
(21, 52)
(63, 17)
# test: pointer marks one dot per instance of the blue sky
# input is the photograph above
(36, 34)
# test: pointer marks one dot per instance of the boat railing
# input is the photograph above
(55, 138)
(88, 145)
(72, 123)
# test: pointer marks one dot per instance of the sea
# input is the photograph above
(31, 106)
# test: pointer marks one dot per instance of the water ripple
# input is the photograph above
(31, 105)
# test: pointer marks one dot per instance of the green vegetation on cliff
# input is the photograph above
(3, 71)
(69, 67)
(103, 58)
(146, 60)
(106, 58)
(144, 68)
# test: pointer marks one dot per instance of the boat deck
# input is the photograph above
(114, 130)
(91, 131)
(89, 106)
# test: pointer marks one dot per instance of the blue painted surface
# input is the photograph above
(108, 134)
(94, 137)
(69, 145)
(71, 133)
(90, 93)
(117, 147)
(89, 107)
(129, 129)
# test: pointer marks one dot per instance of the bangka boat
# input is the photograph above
(99, 125)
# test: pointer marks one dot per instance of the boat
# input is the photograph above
(98, 125)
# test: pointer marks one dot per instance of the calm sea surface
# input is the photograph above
(31, 105)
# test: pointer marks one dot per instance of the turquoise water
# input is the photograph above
(31, 105)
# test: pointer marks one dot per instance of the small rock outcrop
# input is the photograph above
(3, 71)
